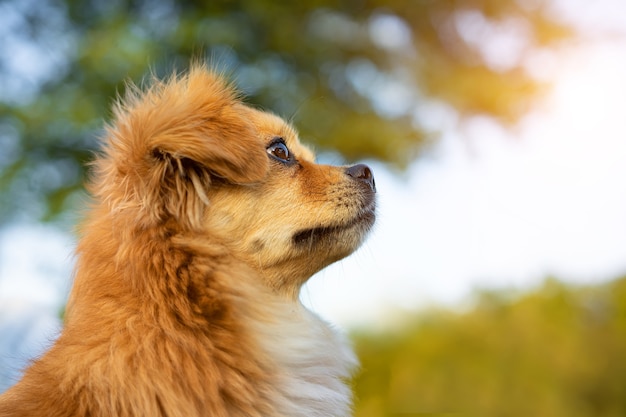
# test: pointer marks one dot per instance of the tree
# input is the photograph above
(354, 75)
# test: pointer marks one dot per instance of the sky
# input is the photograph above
(485, 208)
(491, 208)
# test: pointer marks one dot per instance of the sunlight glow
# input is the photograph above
(491, 208)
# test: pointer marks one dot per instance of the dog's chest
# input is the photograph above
(314, 363)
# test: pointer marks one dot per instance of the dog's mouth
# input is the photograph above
(363, 221)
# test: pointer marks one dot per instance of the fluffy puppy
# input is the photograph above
(207, 218)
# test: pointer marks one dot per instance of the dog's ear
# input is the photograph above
(198, 118)
(225, 144)
(168, 143)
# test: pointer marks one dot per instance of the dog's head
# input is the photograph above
(188, 156)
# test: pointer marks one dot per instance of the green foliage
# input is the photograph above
(350, 73)
(558, 351)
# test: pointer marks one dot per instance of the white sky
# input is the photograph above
(488, 208)
(498, 209)
(494, 210)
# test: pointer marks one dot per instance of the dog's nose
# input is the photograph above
(362, 173)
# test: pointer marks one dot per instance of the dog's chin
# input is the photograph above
(345, 236)
(312, 249)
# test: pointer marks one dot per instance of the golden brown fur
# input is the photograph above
(190, 261)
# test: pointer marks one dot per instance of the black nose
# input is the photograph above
(362, 173)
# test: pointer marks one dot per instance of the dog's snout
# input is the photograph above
(363, 173)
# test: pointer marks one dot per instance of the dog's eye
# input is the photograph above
(279, 151)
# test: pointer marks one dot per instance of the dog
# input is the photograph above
(207, 217)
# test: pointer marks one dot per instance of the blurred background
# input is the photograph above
(493, 283)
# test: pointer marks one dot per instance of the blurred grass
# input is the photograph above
(555, 352)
